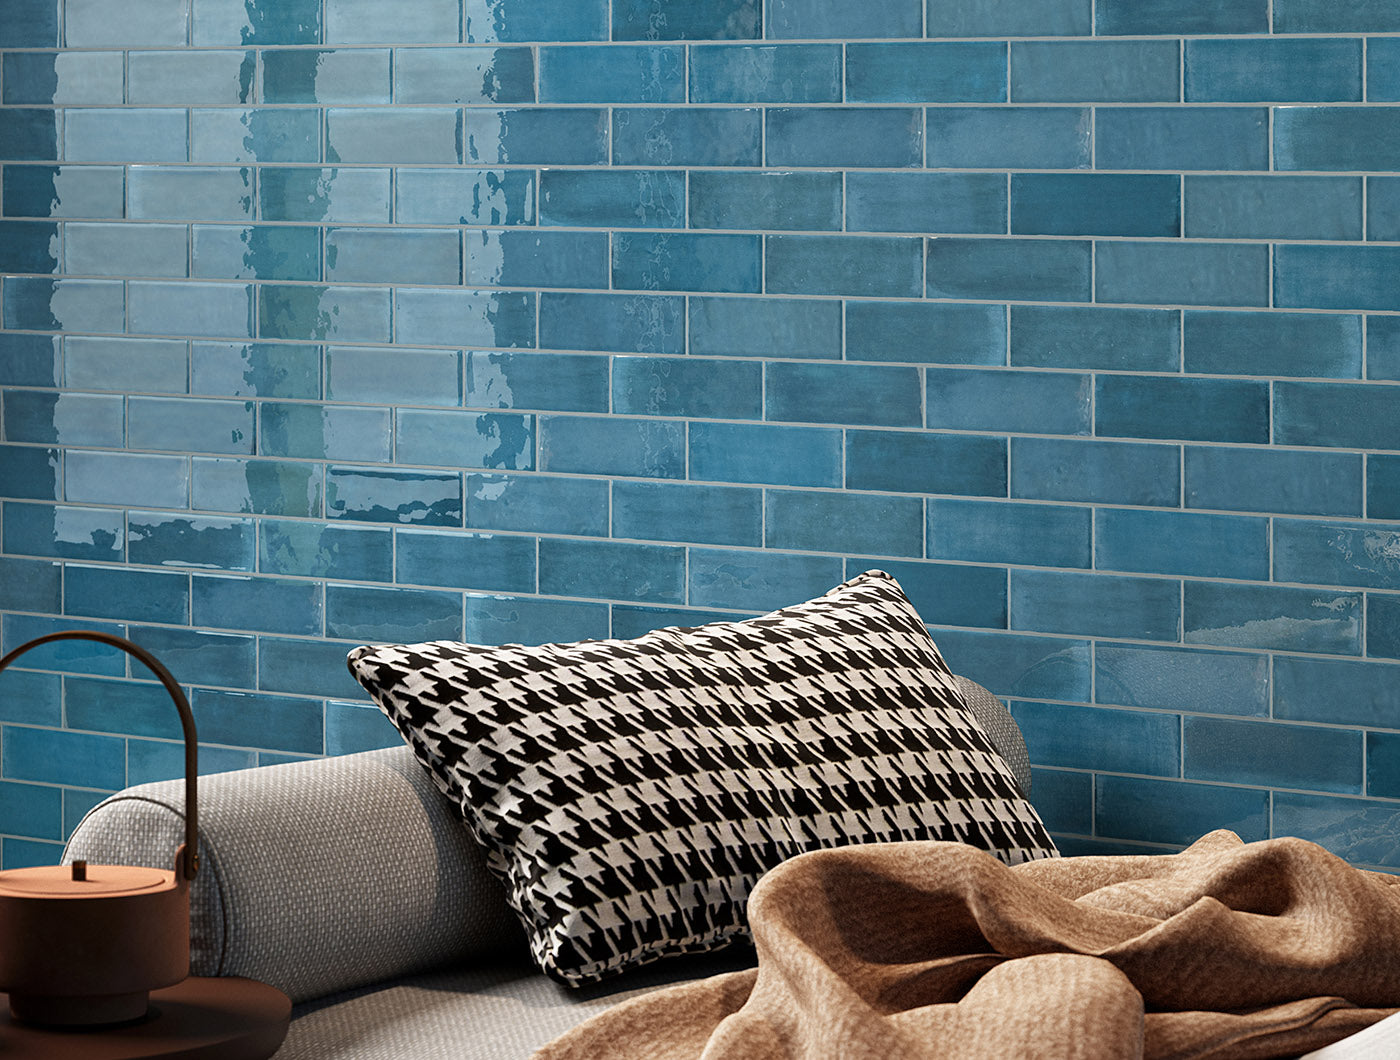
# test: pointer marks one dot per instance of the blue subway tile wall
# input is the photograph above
(326, 321)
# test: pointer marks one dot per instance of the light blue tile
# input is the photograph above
(1203, 546)
(469, 197)
(1096, 605)
(926, 72)
(199, 541)
(613, 198)
(94, 24)
(223, 22)
(687, 387)
(531, 258)
(1048, 535)
(125, 479)
(1001, 400)
(766, 200)
(63, 78)
(1273, 207)
(1206, 410)
(878, 266)
(1111, 741)
(490, 21)
(1273, 480)
(1318, 276)
(1102, 204)
(711, 515)
(1162, 273)
(701, 136)
(30, 360)
(391, 256)
(63, 305)
(464, 75)
(612, 446)
(1265, 753)
(339, 196)
(1209, 682)
(1341, 415)
(545, 504)
(851, 394)
(116, 249)
(374, 375)
(612, 323)
(261, 252)
(243, 719)
(1147, 340)
(196, 193)
(263, 605)
(492, 562)
(332, 75)
(466, 439)
(30, 133)
(222, 310)
(443, 317)
(806, 328)
(1140, 71)
(612, 570)
(887, 137)
(63, 191)
(533, 620)
(1278, 617)
(369, 22)
(1161, 811)
(373, 613)
(64, 532)
(261, 134)
(925, 462)
(386, 134)
(352, 727)
(1336, 138)
(306, 667)
(683, 20)
(49, 418)
(1134, 17)
(872, 524)
(29, 246)
(1273, 344)
(554, 381)
(421, 498)
(123, 592)
(833, 18)
(316, 550)
(925, 202)
(344, 314)
(1364, 555)
(30, 24)
(562, 136)
(1274, 70)
(766, 73)
(1177, 138)
(55, 756)
(1037, 270)
(324, 432)
(1336, 692)
(1010, 138)
(259, 487)
(112, 134)
(190, 77)
(1016, 18)
(760, 453)
(643, 73)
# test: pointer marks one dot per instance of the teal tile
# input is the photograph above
(613, 446)
(95, 477)
(340, 196)
(466, 439)
(306, 667)
(244, 719)
(216, 310)
(201, 425)
(1096, 605)
(338, 313)
(152, 760)
(134, 134)
(689, 387)
(766, 73)
(612, 323)
(563, 136)
(560, 382)
(612, 570)
(1103, 740)
(833, 18)
(642, 73)
(993, 399)
(39, 304)
(1278, 617)
(1273, 344)
(62, 191)
(765, 200)
(1283, 481)
(33, 585)
(221, 22)
(1364, 555)
(260, 134)
(1010, 137)
(807, 329)
(1255, 752)
(1321, 276)
(376, 376)
(431, 316)
(1047, 535)
(82, 78)
(190, 77)
(1274, 70)
(711, 515)
(49, 418)
(123, 592)
(1146, 340)
(1021, 269)
(1336, 692)
(613, 198)
(493, 619)
(64, 531)
(1098, 204)
(531, 258)
(1207, 682)
(30, 360)
(674, 136)
(1017, 18)
(464, 75)
(136, 708)
(763, 453)
(393, 135)
(878, 266)
(682, 20)
(56, 756)
(1100, 71)
(813, 521)
(1196, 274)
(117, 249)
(194, 193)
(925, 462)
(1161, 811)
(257, 487)
(1272, 207)
(1134, 17)
(195, 541)
(875, 137)
(926, 72)
(465, 196)
(490, 562)
(544, 504)
(423, 498)
(1338, 415)
(1188, 543)
(30, 133)
(490, 21)
(257, 604)
(331, 75)
(1193, 409)
(368, 22)
(1363, 831)
(1182, 138)
(310, 431)
(850, 394)
(949, 594)
(393, 256)
(353, 727)
(31, 24)
(377, 613)
(318, 550)
(259, 252)
(925, 202)
(1096, 472)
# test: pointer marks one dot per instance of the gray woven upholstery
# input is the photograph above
(1005, 734)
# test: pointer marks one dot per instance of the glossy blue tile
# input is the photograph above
(1115, 339)
(812, 521)
(1382, 69)
(1383, 764)
(612, 446)
(69, 656)
(1336, 692)
(374, 375)
(346, 314)
(1273, 207)
(385, 134)
(1204, 546)
(1177, 138)
(1139, 71)
(465, 439)
(306, 667)
(31, 473)
(1016, 18)
(1067, 204)
(262, 605)
(1273, 480)
(1318, 16)
(368, 22)
(766, 73)
(137, 708)
(263, 252)
(49, 418)
(1160, 811)
(1095, 605)
(32, 810)
(923, 462)
(492, 562)
(643, 73)
(1382, 487)
(1343, 415)
(464, 75)
(423, 498)
(1336, 138)
(1267, 616)
(701, 137)
(219, 22)
(612, 198)
(324, 432)
(112, 134)
(711, 515)
(64, 532)
(925, 202)
(924, 332)
(856, 395)
(760, 453)
(1273, 344)
(30, 24)
(809, 329)
(152, 760)
(215, 310)
(531, 258)
(391, 256)
(1383, 626)
(30, 585)
(1208, 682)
(879, 266)
(76, 305)
(116, 249)
(1313, 276)
(1109, 741)
(183, 78)
(332, 75)
(1363, 555)
(832, 18)
(489, 21)
(545, 504)
(29, 133)
(202, 425)
(198, 193)
(341, 196)
(94, 24)
(317, 550)
(682, 20)
(1360, 830)
(1255, 752)
(198, 541)
(613, 323)
(361, 612)
(1045, 535)
(56, 756)
(29, 246)
(63, 78)
(262, 134)
(30, 360)
(1010, 137)
(1136, 17)
(612, 570)
(533, 620)
(728, 263)
(63, 191)
(353, 727)
(1296, 69)
(688, 387)
(1161, 273)
(993, 399)
(243, 719)
(260, 487)
(926, 72)
(1202, 410)
(1038, 270)
(946, 594)
(873, 137)
(430, 316)
(1018, 664)
(124, 479)
(455, 196)
(120, 592)
(767, 200)
(1382, 208)
(563, 136)
(758, 580)
(1072, 469)
(553, 381)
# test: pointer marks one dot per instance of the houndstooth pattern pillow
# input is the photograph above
(630, 793)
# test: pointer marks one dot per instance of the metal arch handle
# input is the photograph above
(190, 864)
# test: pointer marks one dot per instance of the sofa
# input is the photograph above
(351, 884)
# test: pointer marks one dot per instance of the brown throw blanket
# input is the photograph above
(938, 950)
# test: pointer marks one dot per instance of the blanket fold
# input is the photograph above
(932, 949)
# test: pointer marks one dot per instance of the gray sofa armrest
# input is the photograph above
(316, 876)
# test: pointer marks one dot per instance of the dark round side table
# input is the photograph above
(223, 1018)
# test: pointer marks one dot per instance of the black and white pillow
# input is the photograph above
(631, 793)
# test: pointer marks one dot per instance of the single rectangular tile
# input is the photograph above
(387, 134)
(469, 197)
(1139, 71)
(1273, 207)
(1336, 138)
(543, 504)
(306, 667)
(832, 18)
(374, 375)
(993, 399)
(1164, 811)
(1318, 16)
(1072, 469)
(1382, 626)
(33, 585)
(1213, 410)
(683, 20)
(948, 594)
(1267, 616)
(48, 418)
(641, 73)
(198, 541)
(122, 592)
(369, 22)
(1203, 546)
(341, 196)
(113, 134)
(311, 431)
(561, 136)
(1096, 605)
(125, 708)
(926, 72)
(925, 202)
(379, 613)
(813, 521)
(493, 562)
(489, 21)
(883, 137)
(1064, 799)
(94, 24)
(124, 478)
(1255, 752)
(331, 75)
(34, 810)
(424, 498)
(1098, 204)
(613, 198)
(1273, 480)
(1272, 69)
(1110, 741)
(64, 532)
(925, 462)
(1318, 276)
(1363, 831)
(1177, 138)
(1363, 555)
(30, 134)
(1036, 270)
(62, 191)
(711, 515)
(678, 136)
(31, 24)
(687, 387)
(440, 316)
(879, 266)
(1382, 487)
(1341, 415)
(1047, 535)
(258, 134)
(190, 424)
(531, 258)
(612, 323)
(30, 360)
(1273, 344)
(853, 395)
(1383, 764)
(151, 760)
(259, 487)
(612, 570)
(1209, 682)
(41, 304)
(533, 620)
(758, 580)
(391, 256)
(318, 550)
(353, 727)
(117, 249)
(194, 193)
(1010, 137)
(323, 311)
(612, 446)
(56, 756)
(64, 77)
(766, 73)
(262, 605)
(925, 332)
(284, 723)
(1014, 18)
(465, 439)
(555, 381)
(224, 22)
(718, 263)
(1336, 692)
(767, 200)
(1073, 337)
(761, 327)
(221, 310)
(1382, 207)
(1161, 273)
(1140, 17)
(760, 453)
(29, 246)
(1382, 69)
(464, 75)
(257, 252)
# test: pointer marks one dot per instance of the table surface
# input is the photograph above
(225, 1018)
